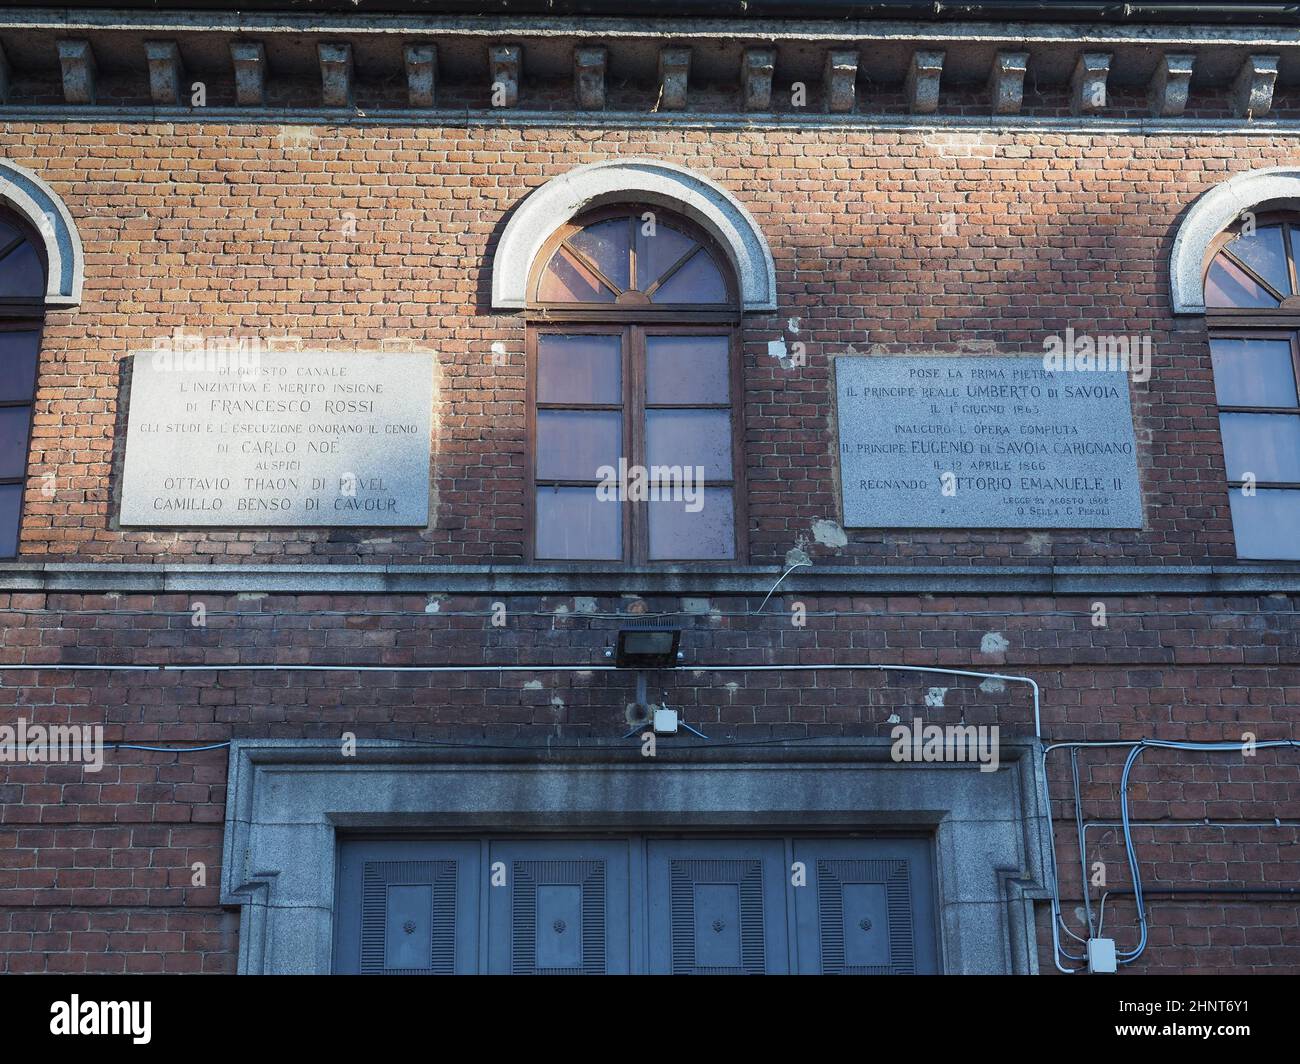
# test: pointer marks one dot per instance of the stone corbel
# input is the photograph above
(164, 59)
(923, 75)
(335, 74)
(674, 78)
(78, 63)
(421, 74)
(1007, 82)
(1088, 86)
(1170, 85)
(589, 78)
(504, 63)
(756, 69)
(839, 81)
(249, 59)
(1252, 93)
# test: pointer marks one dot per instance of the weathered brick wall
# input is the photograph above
(96, 869)
(896, 241)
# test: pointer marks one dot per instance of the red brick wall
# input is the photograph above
(243, 231)
(240, 231)
(96, 869)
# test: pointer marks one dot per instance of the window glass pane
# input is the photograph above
(13, 440)
(697, 282)
(21, 273)
(18, 352)
(574, 444)
(566, 282)
(11, 506)
(574, 523)
(1265, 524)
(690, 438)
(1267, 445)
(709, 532)
(8, 233)
(579, 369)
(1227, 286)
(686, 369)
(606, 244)
(1253, 372)
(1264, 254)
(655, 254)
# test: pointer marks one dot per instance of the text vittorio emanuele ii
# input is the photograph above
(985, 442)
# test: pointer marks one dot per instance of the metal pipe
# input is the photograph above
(1205, 890)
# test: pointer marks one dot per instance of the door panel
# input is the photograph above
(563, 910)
(646, 904)
(867, 908)
(717, 907)
(410, 908)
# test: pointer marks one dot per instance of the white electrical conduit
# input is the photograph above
(1033, 684)
(1135, 747)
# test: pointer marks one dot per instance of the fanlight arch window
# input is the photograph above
(1252, 302)
(22, 295)
(634, 393)
(629, 259)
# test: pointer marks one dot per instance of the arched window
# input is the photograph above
(22, 298)
(1252, 300)
(634, 382)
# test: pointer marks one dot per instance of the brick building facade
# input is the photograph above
(320, 201)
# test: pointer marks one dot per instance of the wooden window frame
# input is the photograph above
(1287, 313)
(23, 315)
(1258, 323)
(635, 322)
(1292, 336)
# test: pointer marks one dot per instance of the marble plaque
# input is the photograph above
(984, 442)
(284, 439)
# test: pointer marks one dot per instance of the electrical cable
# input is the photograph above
(1130, 956)
(778, 584)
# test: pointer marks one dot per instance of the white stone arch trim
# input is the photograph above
(1276, 188)
(29, 196)
(634, 180)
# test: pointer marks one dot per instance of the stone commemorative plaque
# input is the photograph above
(984, 442)
(286, 439)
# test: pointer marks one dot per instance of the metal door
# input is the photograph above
(717, 907)
(559, 907)
(761, 905)
(867, 907)
(407, 908)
